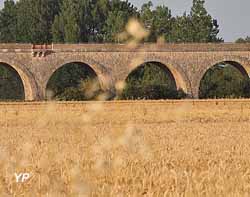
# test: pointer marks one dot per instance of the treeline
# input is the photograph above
(243, 40)
(74, 21)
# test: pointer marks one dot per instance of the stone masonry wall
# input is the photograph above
(113, 63)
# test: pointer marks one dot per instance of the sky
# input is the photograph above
(233, 15)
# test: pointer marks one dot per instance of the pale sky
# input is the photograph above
(233, 15)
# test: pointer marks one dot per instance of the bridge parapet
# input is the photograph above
(147, 47)
(153, 47)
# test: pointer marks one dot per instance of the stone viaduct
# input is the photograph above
(112, 63)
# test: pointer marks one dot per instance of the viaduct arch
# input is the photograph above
(239, 64)
(30, 88)
(101, 72)
(176, 71)
(112, 63)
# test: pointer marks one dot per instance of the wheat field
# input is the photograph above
(144, 148)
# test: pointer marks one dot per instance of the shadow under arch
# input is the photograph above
(29, 87)
(169, 78)
(223, 64)
(237, 65)
(176, 72)
(103, 73)
(160, 65)
(75, 71)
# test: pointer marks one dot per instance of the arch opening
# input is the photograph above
(227, 79)
(151, 81)
(74, 81)
(11, 84)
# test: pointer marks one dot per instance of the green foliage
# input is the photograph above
(74, 81)
(205, 29)
(91, 21)
(158, 21)
(181, 29)
(8, 22)
(70, 94)
(58, 30)
(34, 20)
(115, 23)
(198, 26)
(80, 21)
(66, 26)
(99, 14)
(162, 23)
(243, 40)
(117, 18)
(151, 81)
(11, 86)
(224, 81)
(74, 21)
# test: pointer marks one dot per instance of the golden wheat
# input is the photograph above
(163, 148)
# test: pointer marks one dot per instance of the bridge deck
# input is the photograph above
(187, 47)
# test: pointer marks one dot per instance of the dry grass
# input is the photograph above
(181, 148)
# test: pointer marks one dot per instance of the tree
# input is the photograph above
(11, 86)
(66, 27)
(198, 26)
(224, 81)
(114, 25)
(151, 81)
(205, 28)
(73, 21)
(182, 29)
(158, 21)
(118, 16)
(73, 82)
(8, 22)
(34, 20)
(80, 21)
(146, 14)
(243, 40)
(99, 14)
(162, 23)
(247, 39)
(58, 30)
